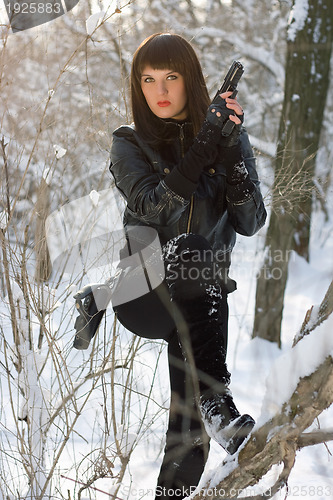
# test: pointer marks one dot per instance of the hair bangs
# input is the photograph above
(164, 51)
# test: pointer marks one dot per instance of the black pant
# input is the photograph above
(192, 307)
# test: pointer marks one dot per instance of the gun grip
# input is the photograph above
(228, 127)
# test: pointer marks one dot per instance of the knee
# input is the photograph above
(190, 246)
(191, 242)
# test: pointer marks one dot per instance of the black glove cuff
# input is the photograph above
(231, 155)
(237, 174)
(235, 166)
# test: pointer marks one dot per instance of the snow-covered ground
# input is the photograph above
(263, 377)
(262, 374)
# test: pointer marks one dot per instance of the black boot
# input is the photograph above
(223, 422)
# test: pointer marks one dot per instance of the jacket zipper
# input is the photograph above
(181, 137)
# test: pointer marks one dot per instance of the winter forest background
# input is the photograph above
(91, 424)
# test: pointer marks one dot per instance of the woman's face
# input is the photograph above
(165, 92)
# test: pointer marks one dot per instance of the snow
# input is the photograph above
(59, 151)
(268, 148)
(298, 16)
(263, 376)
(94, 21)
(94, 196)
(293, 365)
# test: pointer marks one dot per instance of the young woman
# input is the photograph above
(197, 188)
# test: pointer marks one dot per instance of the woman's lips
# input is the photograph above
(163, 104)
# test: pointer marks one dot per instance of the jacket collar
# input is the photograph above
(177, 128)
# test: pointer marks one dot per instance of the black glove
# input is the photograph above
(204, 149)
(91, 303)
(202, 152)
(218, 116)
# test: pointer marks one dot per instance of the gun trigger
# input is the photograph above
(233, 95)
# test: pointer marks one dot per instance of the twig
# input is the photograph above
(5, 162)
(88, 486)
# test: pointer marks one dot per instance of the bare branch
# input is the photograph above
(315, 316)
(315, 437)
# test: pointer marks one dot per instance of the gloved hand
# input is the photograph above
(227, 114)
(221, 116)
(207, 143)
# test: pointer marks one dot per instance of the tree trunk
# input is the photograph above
(307, 79)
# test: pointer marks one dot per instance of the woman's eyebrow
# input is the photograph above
(169, 73)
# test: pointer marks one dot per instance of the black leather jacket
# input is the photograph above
(215, 209)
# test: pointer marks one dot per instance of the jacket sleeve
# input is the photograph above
(148, 197)
(245, 205)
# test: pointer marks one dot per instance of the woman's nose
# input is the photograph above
(162, 88)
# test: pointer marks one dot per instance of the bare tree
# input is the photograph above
(307, 81)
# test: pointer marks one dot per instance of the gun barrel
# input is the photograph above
(232, 78)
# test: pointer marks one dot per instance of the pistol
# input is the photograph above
(91, 303)
(229, 84)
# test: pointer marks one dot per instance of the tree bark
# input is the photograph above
(306, 85)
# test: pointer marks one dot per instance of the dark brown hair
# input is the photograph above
(167, 51)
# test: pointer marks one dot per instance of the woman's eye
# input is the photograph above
(172, 77)
(148, 79)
